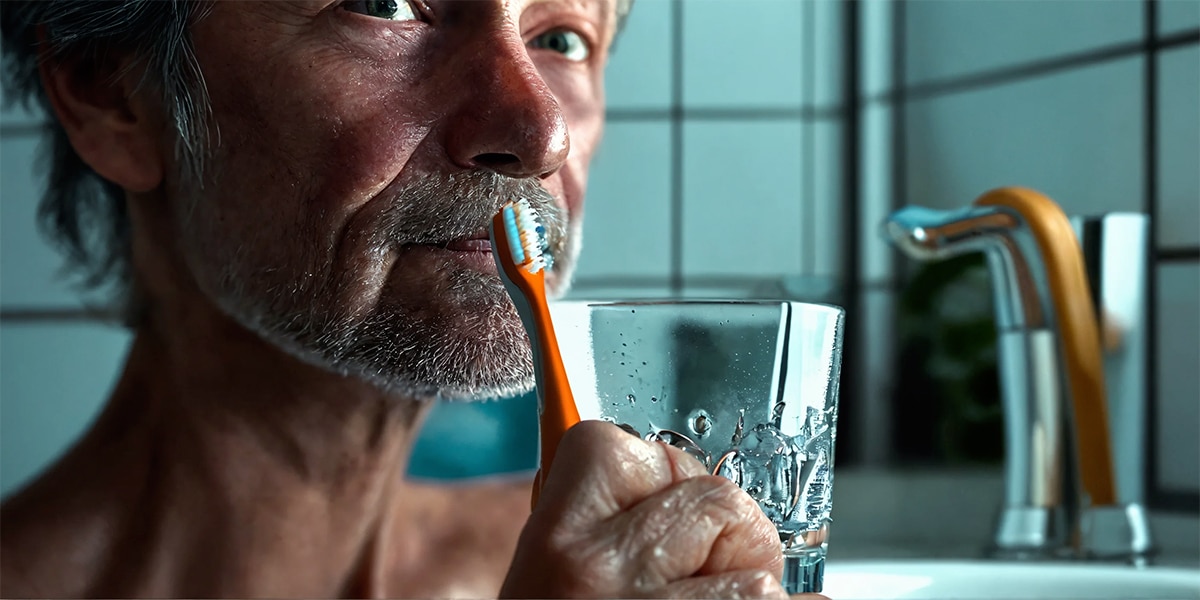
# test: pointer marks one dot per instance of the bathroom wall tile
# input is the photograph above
(1178, 380)
(875, 337)
(29, 267)
(627, 229)
(821, 223)
(639, 68)
(877, 256)
(1177, 15)
(55, 378)
(742, 198)
(824, 28)
(952, 39)
(742, 54)
(1075, 136)
(461, 440)
(876, 18)
(1179, 147)
(701, 288)
(644, 290)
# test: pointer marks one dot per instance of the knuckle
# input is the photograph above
(717, 494)
(593, 441)
(589, 433)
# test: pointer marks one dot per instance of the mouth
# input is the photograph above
(473, 252)
(479, 242)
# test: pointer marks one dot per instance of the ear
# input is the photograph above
(114, 127)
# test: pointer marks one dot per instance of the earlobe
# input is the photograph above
(111, 125)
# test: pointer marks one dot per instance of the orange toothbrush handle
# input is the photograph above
(557, 411)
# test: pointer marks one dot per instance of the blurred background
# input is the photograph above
(752, 150)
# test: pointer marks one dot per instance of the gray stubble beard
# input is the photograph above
(463, 341)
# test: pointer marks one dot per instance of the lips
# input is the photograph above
(476, 243)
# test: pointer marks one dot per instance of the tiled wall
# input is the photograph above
(709, 175)
(1086, 101)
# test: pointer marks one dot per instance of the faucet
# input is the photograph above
(1060, 492)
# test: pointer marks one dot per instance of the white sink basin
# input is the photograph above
(925, 579)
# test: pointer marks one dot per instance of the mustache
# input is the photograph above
(439, 208)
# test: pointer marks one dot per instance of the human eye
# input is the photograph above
(392, 10)
(564, 41)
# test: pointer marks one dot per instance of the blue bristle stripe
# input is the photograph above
(531, 235)
(514, 236)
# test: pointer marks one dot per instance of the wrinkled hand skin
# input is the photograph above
(620, 517)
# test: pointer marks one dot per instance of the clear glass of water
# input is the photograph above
(750, 388)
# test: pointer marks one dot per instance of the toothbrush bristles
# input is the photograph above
(527, 236)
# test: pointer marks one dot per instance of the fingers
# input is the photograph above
(621, 517)
(700, 526)
(600, 470)
(736, 584)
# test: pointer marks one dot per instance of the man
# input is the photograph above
(292, 199)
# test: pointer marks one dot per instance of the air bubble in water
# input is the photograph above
(700, 423)
(678, 440)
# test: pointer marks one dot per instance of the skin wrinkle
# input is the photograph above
(704, 512)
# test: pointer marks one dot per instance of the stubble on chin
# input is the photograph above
(448, 332)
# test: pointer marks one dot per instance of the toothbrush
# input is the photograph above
(519, 248)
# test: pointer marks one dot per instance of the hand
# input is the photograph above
(621, 518)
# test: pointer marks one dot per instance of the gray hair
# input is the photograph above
(82, 213)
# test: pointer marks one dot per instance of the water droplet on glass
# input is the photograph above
(654, 398)
(631, 398)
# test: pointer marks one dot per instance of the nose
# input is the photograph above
(507, 120)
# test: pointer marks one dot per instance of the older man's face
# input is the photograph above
(363, 146)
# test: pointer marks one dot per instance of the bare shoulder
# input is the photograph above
(42, 557)
(458, 539)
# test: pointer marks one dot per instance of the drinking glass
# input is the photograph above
(750, 388)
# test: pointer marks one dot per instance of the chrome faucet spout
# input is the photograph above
(1019, 284)
(1051, 373)
(1034, 519)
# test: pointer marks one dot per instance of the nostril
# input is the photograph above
(497, 161)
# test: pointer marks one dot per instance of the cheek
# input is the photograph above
(301, 164)
(585, 138)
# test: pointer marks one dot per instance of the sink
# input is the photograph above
(945, 579)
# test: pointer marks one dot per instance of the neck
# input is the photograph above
(256, 454)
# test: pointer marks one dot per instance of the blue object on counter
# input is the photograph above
(461, 440)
